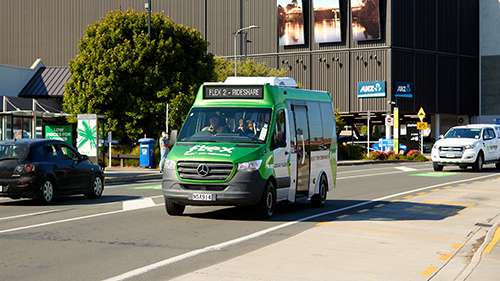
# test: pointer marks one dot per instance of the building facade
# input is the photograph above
(431, 48)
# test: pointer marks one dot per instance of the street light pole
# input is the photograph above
(236, 46)
(148, 6)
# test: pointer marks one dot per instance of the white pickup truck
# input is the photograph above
(469, 145)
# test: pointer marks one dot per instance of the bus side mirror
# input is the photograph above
(173, 137)
(279, 141)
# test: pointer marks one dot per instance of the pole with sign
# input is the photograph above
(421, 116)
(368, 136)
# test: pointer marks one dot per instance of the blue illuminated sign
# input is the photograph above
(372, 89)
(403, 89)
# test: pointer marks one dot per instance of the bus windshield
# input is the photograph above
(227, 124)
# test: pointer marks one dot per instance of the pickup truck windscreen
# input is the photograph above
(464, 133)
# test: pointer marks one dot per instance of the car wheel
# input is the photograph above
(437, 167)
(174, 209)
(97, 187)
(47, 192)
(478, 165)
(318, 200)
(267, 204)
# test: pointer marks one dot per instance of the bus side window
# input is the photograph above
(279, 135)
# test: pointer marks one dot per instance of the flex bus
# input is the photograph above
(253, 141)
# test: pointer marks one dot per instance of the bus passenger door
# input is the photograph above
(302, 149)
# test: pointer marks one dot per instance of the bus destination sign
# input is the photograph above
(233, 92)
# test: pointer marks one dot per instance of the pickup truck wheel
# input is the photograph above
(478, 165)
(437, 167)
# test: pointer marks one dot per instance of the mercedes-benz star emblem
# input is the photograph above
(202, 170)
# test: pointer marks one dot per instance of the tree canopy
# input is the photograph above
(225, 68)
(118, 73)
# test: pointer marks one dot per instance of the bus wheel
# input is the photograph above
(265, 208)
(174, 209)
(318, 200)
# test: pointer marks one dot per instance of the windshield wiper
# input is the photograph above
(9, 158)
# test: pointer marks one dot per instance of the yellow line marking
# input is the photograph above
(445, 257)
(322, 223)
(489, 180)
(343, 216)
(457, 246)
(448, 186)
(436, 189)
(429, 271)
(462, 184)
(476, 182)
(472, 190)
(421, 193)
(449, 203)
(493, 242)
(408, 197)
(396, 232)
(379, 205)
(364, 210)
(395, 200)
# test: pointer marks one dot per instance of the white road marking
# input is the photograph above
(138, 204)
(405, 169)
(217, 247)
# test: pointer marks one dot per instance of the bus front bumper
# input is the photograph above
(244, 189)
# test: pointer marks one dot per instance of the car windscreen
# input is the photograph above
(464, 133)
(13, 151)
(227, 124)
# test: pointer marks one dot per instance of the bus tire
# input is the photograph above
(267, 204)
(318, 200)
(174, 209)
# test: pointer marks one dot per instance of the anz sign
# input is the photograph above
(403, 89)
(373, 89)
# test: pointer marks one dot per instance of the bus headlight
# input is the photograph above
(169, 164)
(250, 166)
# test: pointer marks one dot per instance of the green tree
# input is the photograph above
(339, 121)
(118, 73)
(225, 68)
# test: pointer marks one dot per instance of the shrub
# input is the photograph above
(349, 152)
(377, 155)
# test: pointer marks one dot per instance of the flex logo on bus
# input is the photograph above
(209, 150)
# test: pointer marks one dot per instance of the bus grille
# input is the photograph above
(204, 170)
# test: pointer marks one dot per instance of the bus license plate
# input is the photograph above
(202, 196)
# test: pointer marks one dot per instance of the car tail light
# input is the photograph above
(25, 168)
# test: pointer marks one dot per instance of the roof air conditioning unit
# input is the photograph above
(463, 120)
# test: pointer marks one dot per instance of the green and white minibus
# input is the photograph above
(253, 141)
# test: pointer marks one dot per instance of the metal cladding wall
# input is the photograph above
(433, 44)
(444, 64)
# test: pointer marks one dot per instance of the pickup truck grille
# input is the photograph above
(207, 171)
(452, 148)
(451, 151)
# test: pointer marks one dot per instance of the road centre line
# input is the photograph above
(220, 246)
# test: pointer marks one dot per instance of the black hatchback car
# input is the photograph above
(42, 169)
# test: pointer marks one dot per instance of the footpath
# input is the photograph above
(449, 233)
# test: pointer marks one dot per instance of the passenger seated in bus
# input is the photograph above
(242, 127)
(214, 127)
